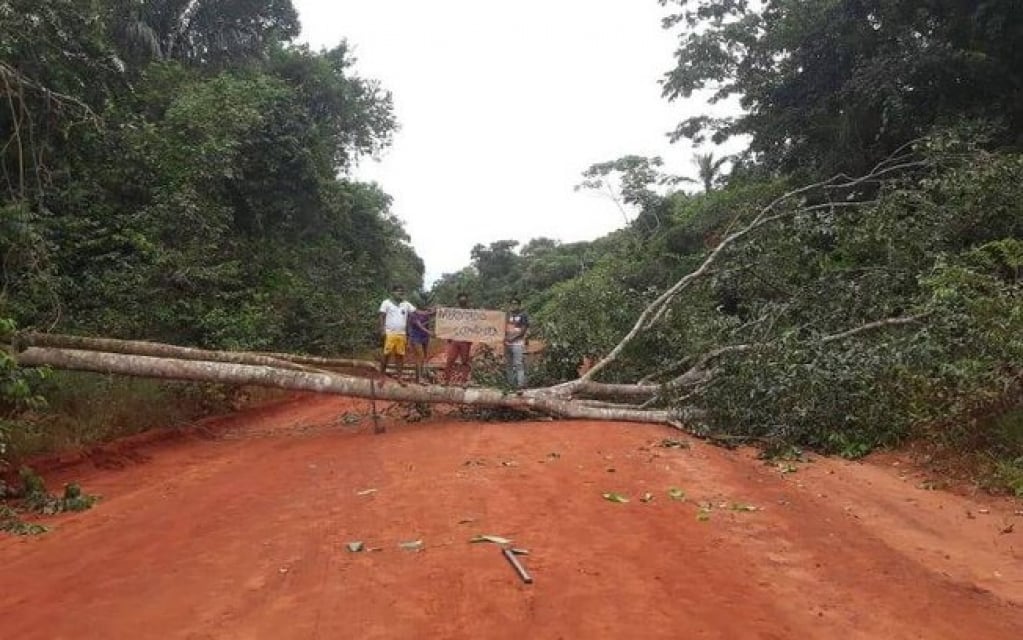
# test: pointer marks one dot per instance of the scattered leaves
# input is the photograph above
(787, 467)
(676, 494)
(703, 515)
(615, 497)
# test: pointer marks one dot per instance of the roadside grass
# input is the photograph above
(84, 409)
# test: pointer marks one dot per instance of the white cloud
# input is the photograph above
(502, 105)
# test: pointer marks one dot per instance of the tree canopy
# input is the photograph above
(834, 85)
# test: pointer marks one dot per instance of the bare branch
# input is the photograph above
(9, 73)
(870, 326)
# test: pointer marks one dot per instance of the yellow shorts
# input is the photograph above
(394, 344)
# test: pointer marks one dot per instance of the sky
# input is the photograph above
(502, 105)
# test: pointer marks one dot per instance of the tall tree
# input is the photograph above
(708, 168)
(829, 85)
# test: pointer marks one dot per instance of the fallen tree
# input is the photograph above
(155, 349)
(268, 376)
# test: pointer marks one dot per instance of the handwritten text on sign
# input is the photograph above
(470, 325)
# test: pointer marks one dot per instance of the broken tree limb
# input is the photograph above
(609, 390)
(155, 349)
(264, 376)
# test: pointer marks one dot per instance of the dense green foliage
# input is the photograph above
(177, 171)
(170, 172)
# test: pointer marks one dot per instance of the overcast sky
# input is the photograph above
(502, 105)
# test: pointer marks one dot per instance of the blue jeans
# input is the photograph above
(515, 364)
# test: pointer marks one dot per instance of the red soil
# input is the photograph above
(239, 531)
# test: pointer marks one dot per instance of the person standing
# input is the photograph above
(419, 338)
(458, 355)
(394, 315)
(516, 335)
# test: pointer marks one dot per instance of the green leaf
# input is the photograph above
(676, 494)
(615, 497)
(703, 515)
(742, 506)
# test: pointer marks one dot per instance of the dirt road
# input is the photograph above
(241, 533)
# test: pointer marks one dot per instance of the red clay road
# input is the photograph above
(241, 533)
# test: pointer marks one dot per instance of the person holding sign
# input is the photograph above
(458, 351)
(515, 336)
(394, 314)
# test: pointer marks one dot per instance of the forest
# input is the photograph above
(179, 171)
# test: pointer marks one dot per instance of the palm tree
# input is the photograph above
(708, 168)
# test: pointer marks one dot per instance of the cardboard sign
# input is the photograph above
(470, 325)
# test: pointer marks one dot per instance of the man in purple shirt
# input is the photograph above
(419, 338)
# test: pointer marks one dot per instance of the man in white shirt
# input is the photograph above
(394, 315)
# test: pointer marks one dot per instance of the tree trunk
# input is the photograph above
(265, 376)
(323, 363)
(155, 349)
